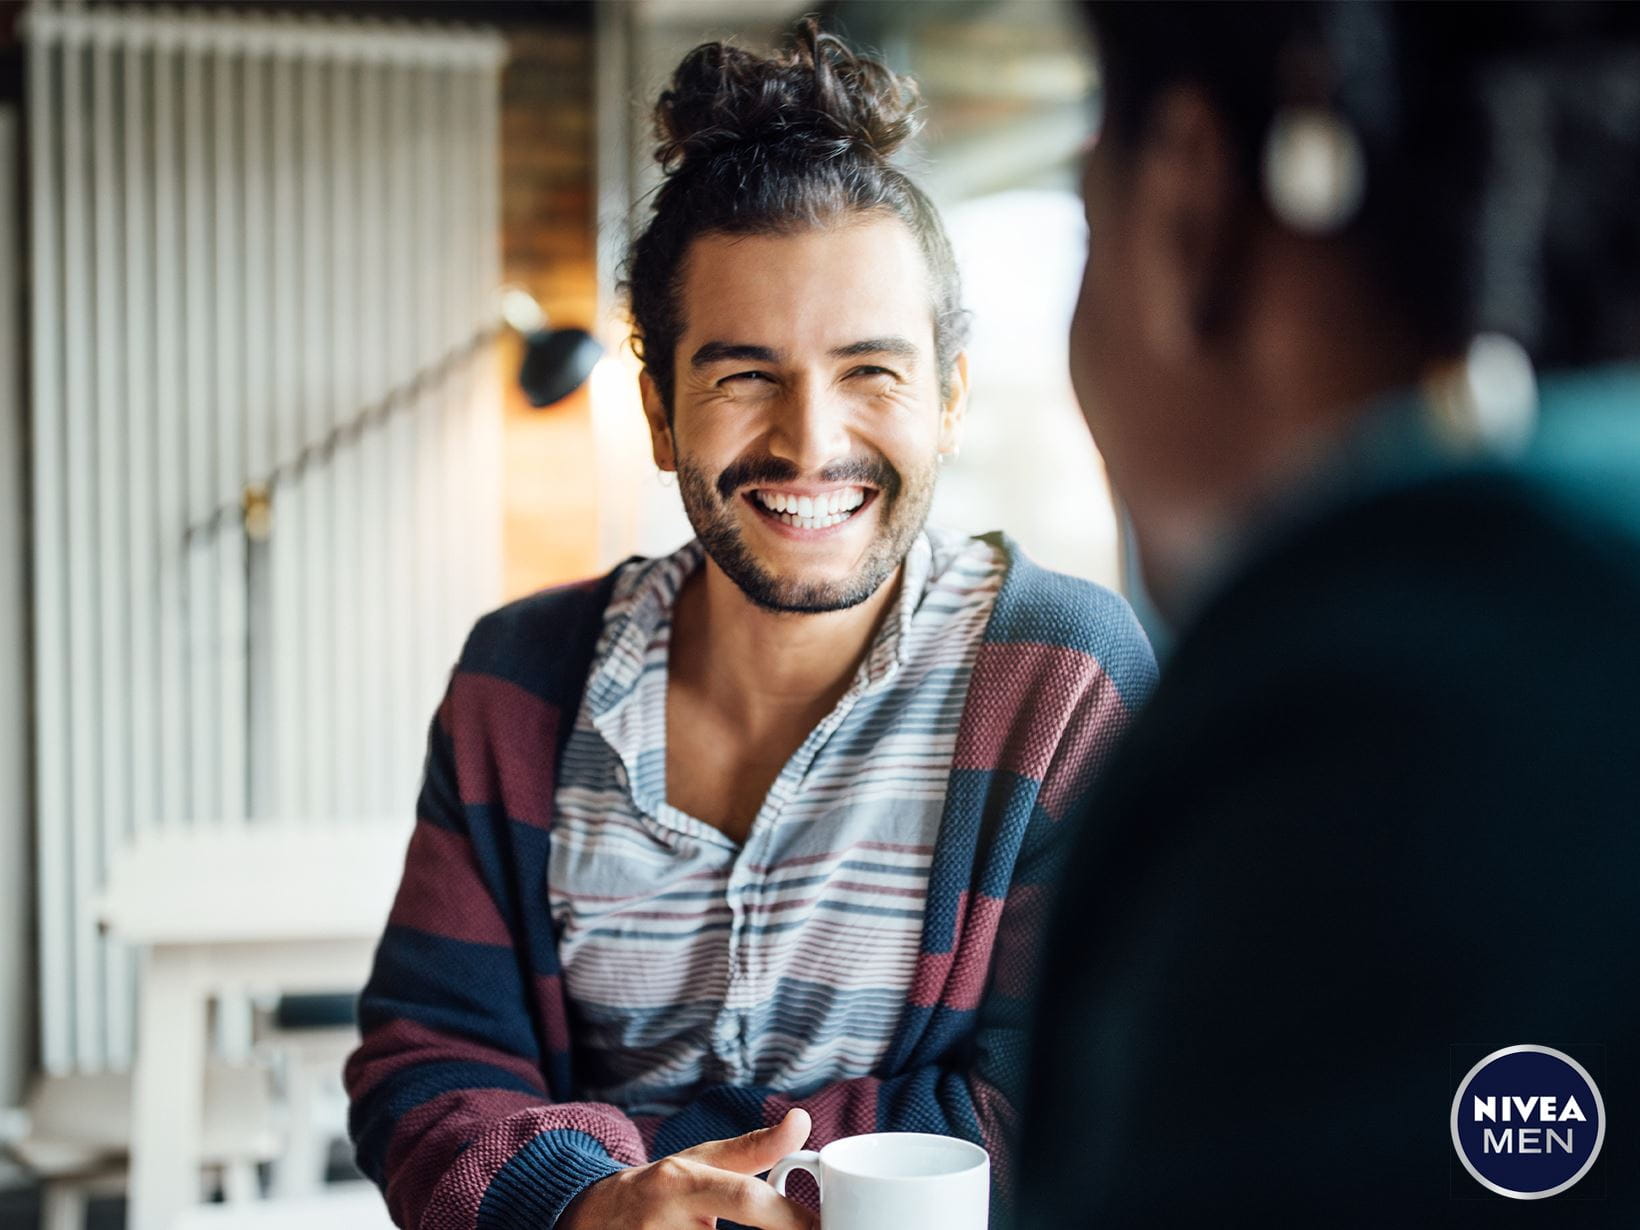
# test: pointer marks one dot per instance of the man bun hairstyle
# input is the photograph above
(819, 100)
(754, 144)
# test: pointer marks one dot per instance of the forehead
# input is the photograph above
(815, 288)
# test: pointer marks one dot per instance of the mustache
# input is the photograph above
(771, 471)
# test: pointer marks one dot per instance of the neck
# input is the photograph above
(759, 667)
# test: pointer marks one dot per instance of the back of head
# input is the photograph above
(754, 144)
(1502, 145)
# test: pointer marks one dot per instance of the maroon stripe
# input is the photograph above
(443, 893)
(505, 739)
(424, 1140)
(1019, 704)
(846, 1108)
(956, 979)
(1098, 721)
(454, 1201)
(549, 998)
(965, 985)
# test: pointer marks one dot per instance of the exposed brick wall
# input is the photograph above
(548, 189)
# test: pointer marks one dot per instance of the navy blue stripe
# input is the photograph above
(536, 1184)
(543, 643)
(453, 986)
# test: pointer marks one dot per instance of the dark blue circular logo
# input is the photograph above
(1528, 1122)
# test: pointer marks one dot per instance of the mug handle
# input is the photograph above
(805, 1159)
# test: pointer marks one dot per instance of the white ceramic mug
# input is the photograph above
(896, 1181)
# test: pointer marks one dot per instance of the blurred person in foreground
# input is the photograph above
(1381, 811)
(762, 822)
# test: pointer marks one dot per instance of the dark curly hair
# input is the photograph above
(754, 144)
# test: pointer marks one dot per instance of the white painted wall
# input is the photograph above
(16, 857)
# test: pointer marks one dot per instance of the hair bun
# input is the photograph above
(817, 99)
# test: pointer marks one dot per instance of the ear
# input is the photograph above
(660, 429)
(1185, 196)
(954, 413)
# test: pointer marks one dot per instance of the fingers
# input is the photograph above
(755, 1152)
(740, 1198)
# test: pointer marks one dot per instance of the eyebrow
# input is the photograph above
(718, 352)
(746, 352)
(877, 345)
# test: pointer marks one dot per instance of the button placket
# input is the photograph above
(745, 889)
(726, 1028)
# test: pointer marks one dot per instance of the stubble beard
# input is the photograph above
(904, 501)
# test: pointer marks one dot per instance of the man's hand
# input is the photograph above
(692, 1189)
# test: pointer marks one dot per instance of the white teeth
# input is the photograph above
(813, 512)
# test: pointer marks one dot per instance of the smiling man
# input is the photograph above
(751, 843)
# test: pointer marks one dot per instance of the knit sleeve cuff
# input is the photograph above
(534, 1187)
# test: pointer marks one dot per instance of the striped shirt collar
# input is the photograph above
(640, 615)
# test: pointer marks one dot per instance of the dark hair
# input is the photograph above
(1502, 144)
(754, 144)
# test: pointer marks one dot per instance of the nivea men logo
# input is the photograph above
(1528, 1122)
(1539, 1118)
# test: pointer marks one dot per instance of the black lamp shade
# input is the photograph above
(556, 363)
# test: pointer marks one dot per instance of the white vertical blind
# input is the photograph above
(346, 387)
(79, 408)
(265, 253)
(400, 502)
(257, 374)
(284, 548)
(202, 425)
(141, 455)
(375, 579)
(229, 300)
(312, 491)
(171, 513)
(50, 573)
(113, 480)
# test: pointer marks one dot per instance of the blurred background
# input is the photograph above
(264, 456)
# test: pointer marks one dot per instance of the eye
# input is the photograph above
(871, 370)
(755, 376)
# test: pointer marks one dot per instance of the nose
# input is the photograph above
(811, 428)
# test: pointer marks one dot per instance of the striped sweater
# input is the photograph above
(464, 1091)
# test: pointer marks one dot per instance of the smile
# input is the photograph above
(822, 511)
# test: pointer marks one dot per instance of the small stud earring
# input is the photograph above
(1314, 170)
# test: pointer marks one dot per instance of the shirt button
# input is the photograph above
(620, 776)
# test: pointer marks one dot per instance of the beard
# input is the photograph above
(903, 499)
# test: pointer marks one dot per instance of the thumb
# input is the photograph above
(757, 1151)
